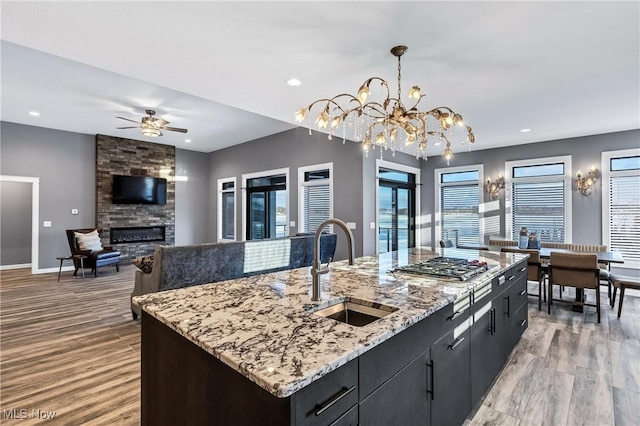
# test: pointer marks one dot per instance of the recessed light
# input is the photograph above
(187, 140)
(525, 130)
(294, 82)
(34, 113)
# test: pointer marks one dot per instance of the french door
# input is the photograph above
(266, 207)
(396, 210)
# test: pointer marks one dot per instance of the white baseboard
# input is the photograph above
(56, 269)
(16, 266)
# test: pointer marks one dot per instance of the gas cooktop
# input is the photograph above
(448, 267)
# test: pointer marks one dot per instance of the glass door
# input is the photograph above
(267, 208)
(396, 210)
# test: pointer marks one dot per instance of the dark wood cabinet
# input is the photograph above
(488, 334)
(402, 400)
(432, 373)
(451, 381)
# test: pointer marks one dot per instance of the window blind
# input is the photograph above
(539, 207)
(624, 214)
(228, 200)
(459, 210)
(317, 203)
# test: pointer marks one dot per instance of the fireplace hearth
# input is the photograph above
(136, 234)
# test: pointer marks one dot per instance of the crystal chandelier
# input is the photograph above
(383, 123)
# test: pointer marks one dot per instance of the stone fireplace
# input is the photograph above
(134, 229)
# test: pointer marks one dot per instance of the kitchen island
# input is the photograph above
(252, 350)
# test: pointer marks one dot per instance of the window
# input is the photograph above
(459, 194)
(265, 205)
(315, 196)
(227, 209)
(621, 204)
(539, 196)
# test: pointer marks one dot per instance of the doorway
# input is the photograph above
(265, 205)
(34, 205)
(396, 209)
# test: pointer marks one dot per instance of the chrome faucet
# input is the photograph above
(317, 269)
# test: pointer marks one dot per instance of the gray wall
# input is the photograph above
(295, 148)
(585, 152)
(192, 198)
(65, 163)
(15, 223)
(354, 180)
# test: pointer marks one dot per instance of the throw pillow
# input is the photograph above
(89, 241)
(144, 263)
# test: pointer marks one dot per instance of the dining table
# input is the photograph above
(604, 257)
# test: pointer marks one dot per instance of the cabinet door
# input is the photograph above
(487, 354)
(402, 400)
(451, 381)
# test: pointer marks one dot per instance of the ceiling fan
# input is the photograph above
(151, 126)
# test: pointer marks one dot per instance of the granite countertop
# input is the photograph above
(262, 327)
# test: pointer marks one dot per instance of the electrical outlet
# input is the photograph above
(74, 211)
(46, 224)
(351, 225)
(372, 225)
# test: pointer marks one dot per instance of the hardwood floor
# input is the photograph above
(569, 370)
(72, 348)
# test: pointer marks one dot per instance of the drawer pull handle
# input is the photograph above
(511, 277)
(523, 292)
(456, 343)
(523, 269)
(501, 280)
(455, 315)
(508, 299)
(334, 399)
(523, 323)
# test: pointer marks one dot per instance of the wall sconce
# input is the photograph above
(494, 187)
(584, 183)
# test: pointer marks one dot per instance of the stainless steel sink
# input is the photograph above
(355, 312)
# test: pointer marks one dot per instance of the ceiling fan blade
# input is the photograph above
(128, 119)
(132, 127)
(174, 129)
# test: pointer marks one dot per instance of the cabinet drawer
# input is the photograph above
(327, 399)
(519, 292)
(502, 281)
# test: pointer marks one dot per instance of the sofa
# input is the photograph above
(176, 267)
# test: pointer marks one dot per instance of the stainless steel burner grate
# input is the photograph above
(448, 267)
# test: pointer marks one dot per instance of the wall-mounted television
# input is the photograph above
(139, 190)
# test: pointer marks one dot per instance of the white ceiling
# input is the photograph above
(562, 69)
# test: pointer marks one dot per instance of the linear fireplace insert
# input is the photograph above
(136, 234)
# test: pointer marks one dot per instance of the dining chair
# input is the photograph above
(574, 270)
(535, 271)
(446, 243)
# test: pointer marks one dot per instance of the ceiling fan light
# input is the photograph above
(151, 132)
